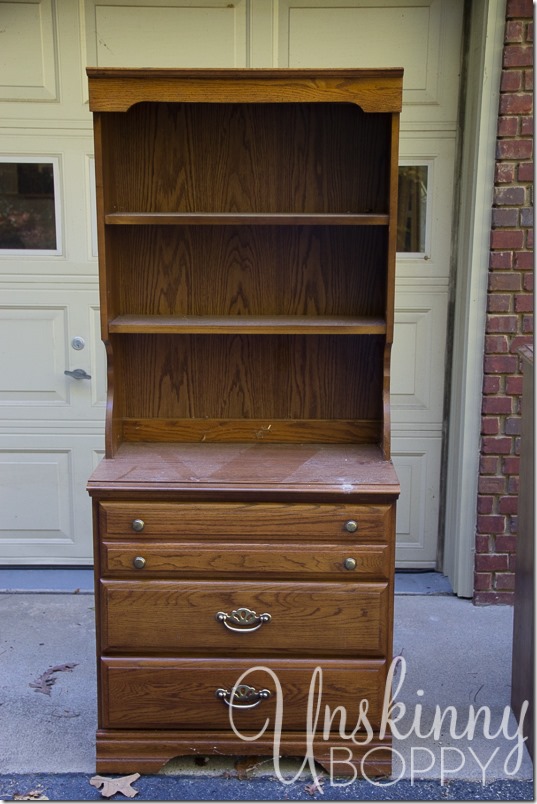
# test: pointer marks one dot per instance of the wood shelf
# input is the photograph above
(245, 219)
(248, 325)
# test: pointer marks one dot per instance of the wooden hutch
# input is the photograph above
(244, 513)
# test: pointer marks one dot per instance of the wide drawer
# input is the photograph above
(205, 560)
(224, 616)
(247, 521)
(191, 693)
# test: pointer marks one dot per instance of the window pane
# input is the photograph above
(27, 213)
(412, 208)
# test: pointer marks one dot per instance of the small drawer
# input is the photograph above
(191, 693)
(247, 521)
(206, 560)
(245, 618)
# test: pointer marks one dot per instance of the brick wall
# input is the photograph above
(509, 314)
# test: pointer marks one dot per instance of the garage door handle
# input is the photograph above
(78, 374)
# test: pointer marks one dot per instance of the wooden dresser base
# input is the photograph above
(148, 751)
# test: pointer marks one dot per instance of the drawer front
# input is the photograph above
(247, 521)
(203, 560)
(185, 617)
(183, 694)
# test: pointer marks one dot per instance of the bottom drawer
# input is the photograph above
(191, 693)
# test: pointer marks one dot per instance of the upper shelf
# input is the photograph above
(245, 218)
(248, 325)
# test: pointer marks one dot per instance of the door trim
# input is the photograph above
(485, 50)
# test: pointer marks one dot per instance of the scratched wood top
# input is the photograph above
(333, 469)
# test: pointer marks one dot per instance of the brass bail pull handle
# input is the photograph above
(243, 620)
(243, 696)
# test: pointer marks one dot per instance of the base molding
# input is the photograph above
(148, 751)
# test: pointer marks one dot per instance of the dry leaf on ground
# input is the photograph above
(246, 764)
(112, 786)
(45, 681)
(315, 787)
(32, 795)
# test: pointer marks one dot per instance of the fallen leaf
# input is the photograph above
(45, 681)
(65, 713)
(315, 787)
(244, 765)
(112, 786)
(32, 795)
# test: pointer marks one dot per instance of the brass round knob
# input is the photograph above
(138, 562)
(351, 526)
(138, 525)
(349, 563)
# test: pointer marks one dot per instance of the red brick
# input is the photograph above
(504, 174)
(519, 8)
(508, 505)
(496, 445)
(496, 405)
(528, 80)
(524, 303)
(527, 323)
(502, 323)
(511, 465)
(525, 172)
(512, 426)
(509, 196)
(513, 484)
(493, 598)
(505, 543)
(517, 56)
(485, 505)
(490, 563)
(505, 216)
(515, 149)
(514, 31)
(513, 103)
(504, 580)
(526, 126)
(526, 217)
(513, 386)
(488, 465)
(501, 259)
(508, 126)
(499, 303)
(491, 385)
(529, 32)
(482, 581)
(491, 485)
(483, 543)
(501, 364)
(529, 239)
(524, 260)
(512, 562)
(506, 238)
(527, 282)
(505, 281)
(511, 81)
(496, 344)
(490, 425)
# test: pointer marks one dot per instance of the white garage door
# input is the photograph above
(51, 434)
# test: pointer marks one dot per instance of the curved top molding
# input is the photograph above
(117, 89)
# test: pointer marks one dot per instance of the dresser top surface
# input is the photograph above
(332, 469)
